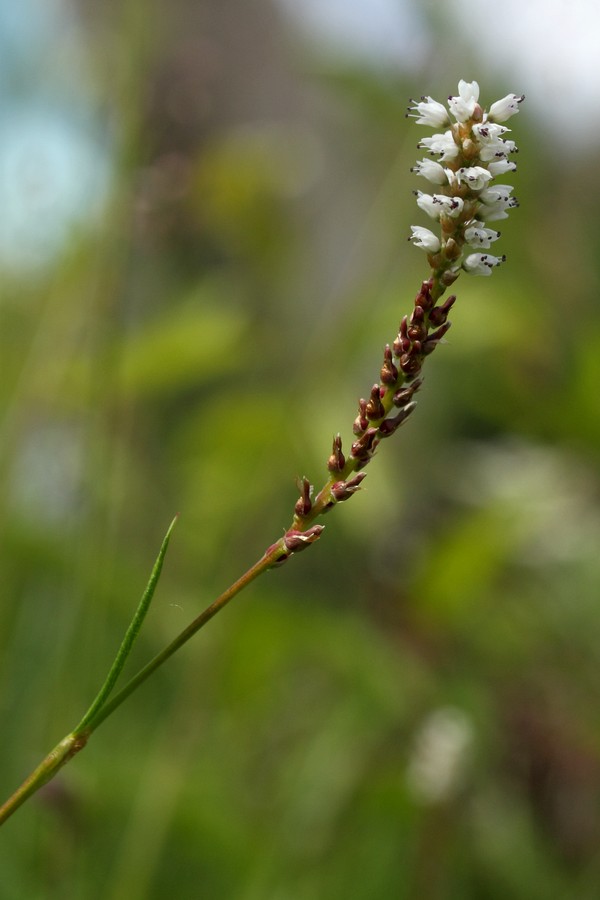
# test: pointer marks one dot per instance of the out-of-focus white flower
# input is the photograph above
(441, 752)
(424, 238)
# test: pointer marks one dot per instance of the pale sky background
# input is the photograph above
(547, 49)
(52, 162)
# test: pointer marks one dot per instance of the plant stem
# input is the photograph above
(264, 563)
(45, 772)
(129, 639)
(100, 708)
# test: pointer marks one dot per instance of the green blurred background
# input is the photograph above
(204, 209)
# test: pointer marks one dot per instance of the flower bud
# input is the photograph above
(424, 298)
(337, 460)
(389, 426)
(363, 448)
(361, 423)
(343, 490)
(410, 364)
(403, 396)
(375, 409)
(434, 338)
(402, 343)
(281, 553)
(439, 314)
(389, 372)
(452, 250)
(417, 330)
(303, 505)
(449, 277)
(295, 540)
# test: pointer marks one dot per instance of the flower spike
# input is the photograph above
(471, 150)
(475, 152)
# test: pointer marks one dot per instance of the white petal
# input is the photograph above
(496, 150)
(501, 167)
(499, 192)
(431, 170)
(453, 206)
(442, 144)
(479, 236)
(489, 131)
(496, 211)
(481, 263)
(429, 112)
(476, 177)
(424, 238)
(436, 204)
(468, 90)
(463, 106)
(503, 109)
(427, 203)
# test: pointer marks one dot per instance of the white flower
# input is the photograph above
(463, 106)
(495, 201)
(430, 112)
(475, 176)
(493, 213)
(469, 156)
(436, 204)
(481, 263)
(480, 236)
(451, 176)
(431, 170)
(503, 109)
(441, 755)
(496, 150)
(501, 167)
(427, 203)
(453, 206)
(485, 132)
(424, 238)
(496, 193)
(488, 136)
(442, 144)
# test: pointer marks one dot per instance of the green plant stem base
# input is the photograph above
(102, 708)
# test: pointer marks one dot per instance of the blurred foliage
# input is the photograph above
(410, 709)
